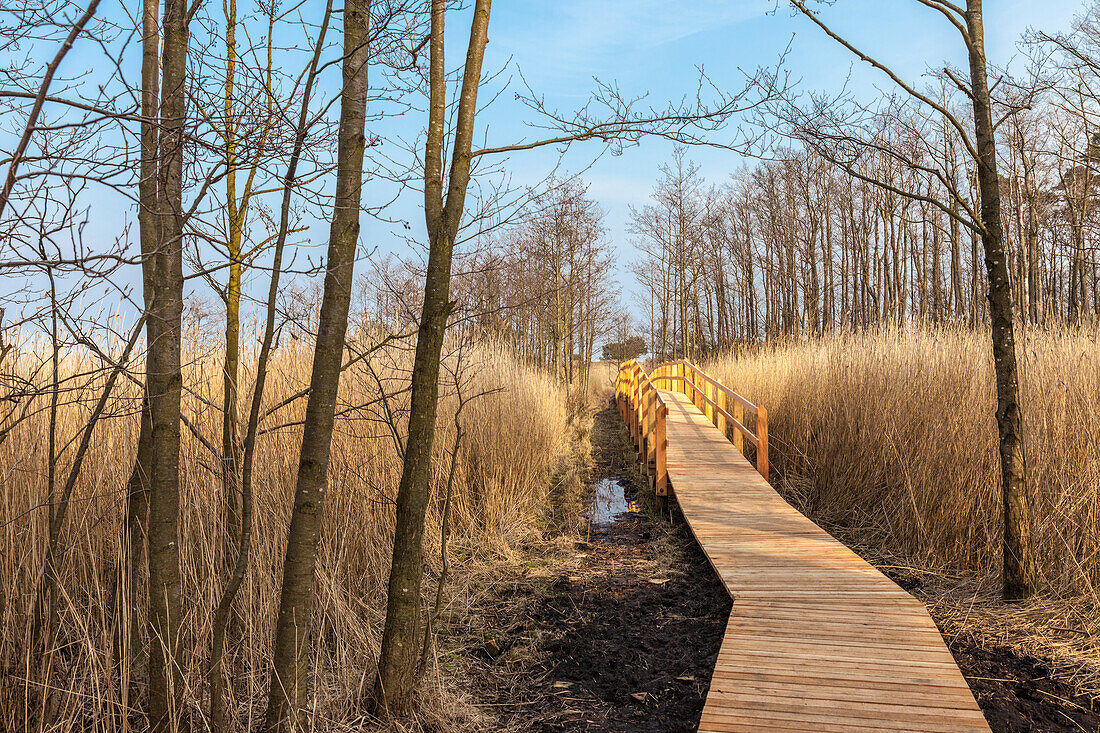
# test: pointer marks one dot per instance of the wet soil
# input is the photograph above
(623, 636)
(638, 643)
(1017, 693)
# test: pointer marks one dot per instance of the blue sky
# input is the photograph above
(655, 46)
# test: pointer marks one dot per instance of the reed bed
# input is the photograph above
(888, 437)
(515, 443)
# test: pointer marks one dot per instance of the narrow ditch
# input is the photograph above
(624, 635)
(640, 625)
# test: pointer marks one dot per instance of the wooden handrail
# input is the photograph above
(702, 384)
(709, 379)
(645, 413)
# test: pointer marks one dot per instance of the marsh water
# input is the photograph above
(609, 502)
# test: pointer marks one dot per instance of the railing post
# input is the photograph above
(660, 460)
(762, 437)
(698, 381)
(651, 446)
(643, 426)
(703, 394)
(720, 419)
(619, 391)
(629, 400)
(708, 392)
(695, 387)
(739, 416)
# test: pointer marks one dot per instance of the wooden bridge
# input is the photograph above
(818, 639)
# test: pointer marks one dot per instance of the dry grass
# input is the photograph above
(516, 444)
(888, 439)
(891, 435)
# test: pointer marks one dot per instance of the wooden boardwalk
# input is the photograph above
(818, 639)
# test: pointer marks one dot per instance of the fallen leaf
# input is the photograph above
(658, 581)
(562, 685)
(686, 678)
(640, 696)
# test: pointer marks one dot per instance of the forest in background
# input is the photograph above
(863, 224)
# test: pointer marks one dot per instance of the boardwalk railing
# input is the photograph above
(638, 396)
(646, 415)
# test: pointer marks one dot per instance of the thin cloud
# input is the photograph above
(583, 36)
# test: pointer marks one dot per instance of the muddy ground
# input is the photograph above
(618, 630)
(1020, 694)
(1017, 693)
(622, 632)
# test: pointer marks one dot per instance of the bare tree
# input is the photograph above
(164, 378)
(218, 717)
(622, 122)
(979, 141)
(290, 671)
(443, 214)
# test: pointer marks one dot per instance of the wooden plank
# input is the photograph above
(863, 687)
(783, 720)
(818, 638)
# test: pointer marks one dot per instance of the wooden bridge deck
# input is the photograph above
(818, 640)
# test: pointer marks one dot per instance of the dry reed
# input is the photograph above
(888, 437)
(516, 440)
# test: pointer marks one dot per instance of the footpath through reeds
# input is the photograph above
(887, 438)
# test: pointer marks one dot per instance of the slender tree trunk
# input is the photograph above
(1018, 571)
(290, 672)
(218, 715)
(137, 488)
(397, 661)
(164, 383)
(234, 216)
(1033, 298)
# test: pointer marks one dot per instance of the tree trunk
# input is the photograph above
(1018, 574)
(290, 672)
(397, 662)
(234, 215)
(137, 488)
(164, 383)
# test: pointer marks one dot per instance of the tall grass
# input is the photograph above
(889, 438)
(515, 440)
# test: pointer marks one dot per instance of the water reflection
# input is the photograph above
(610, 502)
